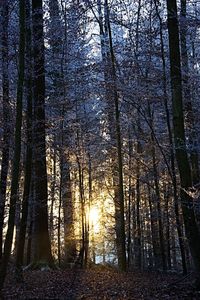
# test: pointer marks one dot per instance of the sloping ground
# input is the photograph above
(96, 284)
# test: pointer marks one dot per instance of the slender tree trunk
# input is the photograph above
(53, 188)
(167, 226)
(83, 216)
(159, 210)
(67, 202)
(115, 130)
(130, 200)
(41, 234)
(154, 229)
(116, 138)
(6, 115)
(66, 197)
(59, 217)
(191, 227)
(174, 253)
(29, 245)
(190, 119)
(137, 235)
(172, 154)
(87, 243)
(17, 149)
(157, 193)
(149, 239)
(28, 165)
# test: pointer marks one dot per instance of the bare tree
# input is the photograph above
(17, 149)
(42, 246)
(6, 114)
(191, 226)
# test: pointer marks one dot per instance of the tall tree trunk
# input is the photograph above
(29, 245)
(154, 229)
(137, 235)
(191, 228)
(157, 194)
(17, 149)
(171, 144)
(159, 211)
(66, 197)
(42, 251)
(6, 115)
(119, 201)
(53, 188)
(130, 201)
(190, 119)
(83, 215)
(87, 242)
(67, 202)
(59, 218)
(167, 227)
(28, 164)
(115, 132)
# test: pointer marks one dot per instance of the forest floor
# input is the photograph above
(99, 284)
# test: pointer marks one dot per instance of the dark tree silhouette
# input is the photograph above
(191, 226)
(6, 114)
(42, 247)
(17, 149)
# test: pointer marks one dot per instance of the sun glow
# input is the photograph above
(94, 219)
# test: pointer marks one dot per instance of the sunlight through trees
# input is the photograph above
(99, 135)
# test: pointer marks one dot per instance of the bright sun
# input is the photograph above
(94, 218)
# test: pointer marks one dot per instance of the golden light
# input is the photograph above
(94, 216)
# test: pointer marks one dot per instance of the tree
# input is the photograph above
(28, 166)
(187, 97)
(42, 246)
(114, 130)
(191, 226)
(17, 149)
(6, 115)
(172, 155)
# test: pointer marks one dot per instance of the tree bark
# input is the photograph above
(137, 235)
(42, 251)
(189, 116)
(171, 144)
(6, 115)
(115, 130)
(17, 148)
(67, 202)
(191, 228)
(154, 229)
(28, 164)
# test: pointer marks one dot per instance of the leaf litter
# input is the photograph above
(95, 284)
